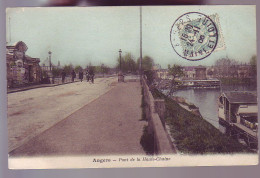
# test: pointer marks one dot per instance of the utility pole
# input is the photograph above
(141, 57)
(10, 39)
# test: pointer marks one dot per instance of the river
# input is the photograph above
(206, 100)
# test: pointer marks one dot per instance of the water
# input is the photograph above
(206, 100)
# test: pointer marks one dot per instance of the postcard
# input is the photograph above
(135, 86)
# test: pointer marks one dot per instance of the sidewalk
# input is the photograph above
(108, 125)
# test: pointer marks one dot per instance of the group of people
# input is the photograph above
(89, 75)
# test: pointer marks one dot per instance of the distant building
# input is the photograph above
(200, 73)
(163, 74)
(194, 73)
(21, 68)
(189, 72)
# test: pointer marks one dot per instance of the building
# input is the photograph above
(238, 111)
(21, 68)
(189, 72)
(200, 73)
(162, 74)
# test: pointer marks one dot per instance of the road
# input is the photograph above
(33, 111)
(108, 125)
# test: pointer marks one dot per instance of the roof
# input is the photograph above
(11, 47)
(241, 97)
(193, 68)
(189, 68)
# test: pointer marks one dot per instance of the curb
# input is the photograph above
(38, 86)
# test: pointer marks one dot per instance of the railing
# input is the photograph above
(154, 108)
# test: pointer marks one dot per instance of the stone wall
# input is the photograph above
(156, 125)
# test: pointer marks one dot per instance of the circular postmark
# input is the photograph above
(194, 36)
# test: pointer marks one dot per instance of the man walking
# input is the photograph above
(91, 74)
(87, 75)
(63, 75)
(73, 75)
(81, 75)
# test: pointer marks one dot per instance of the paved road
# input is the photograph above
(109, 125)
(33, 111)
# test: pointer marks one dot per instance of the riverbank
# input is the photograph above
(193, 134)
(237, 81)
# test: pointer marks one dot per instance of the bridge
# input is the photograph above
(80, 118)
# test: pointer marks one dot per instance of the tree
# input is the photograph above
(78, 68)
(68, 68)
(147, 63)
(90, 67)
(226, 67)
(128, 63)
(56, 71)
(104, 69)
(253, 63)
(175, 71)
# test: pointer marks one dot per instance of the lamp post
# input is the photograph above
(50, 60)
(50, 66)
(120, 74)
(120, 51)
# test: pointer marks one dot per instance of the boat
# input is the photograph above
(209, 83)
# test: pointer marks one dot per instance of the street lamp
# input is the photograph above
(50, 67)
(120, 51)
(120, 74)
(50, 60)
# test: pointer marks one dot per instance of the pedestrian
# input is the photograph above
(91, 74)
(63, 75)
(87, 75)
(81, 75)
(73, 75)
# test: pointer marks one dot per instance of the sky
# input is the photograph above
(80, 35)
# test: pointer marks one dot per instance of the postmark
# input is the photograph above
(194, 36)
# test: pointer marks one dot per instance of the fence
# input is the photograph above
(154, 111)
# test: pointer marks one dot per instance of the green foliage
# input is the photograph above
(175, 71)
(56, 71)
(150, 75)
(193, 134)
(103, 69)
(253, 63)
(128, 63)
(44, 74)
(147, 63)
(78, 68)
(68, 68)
